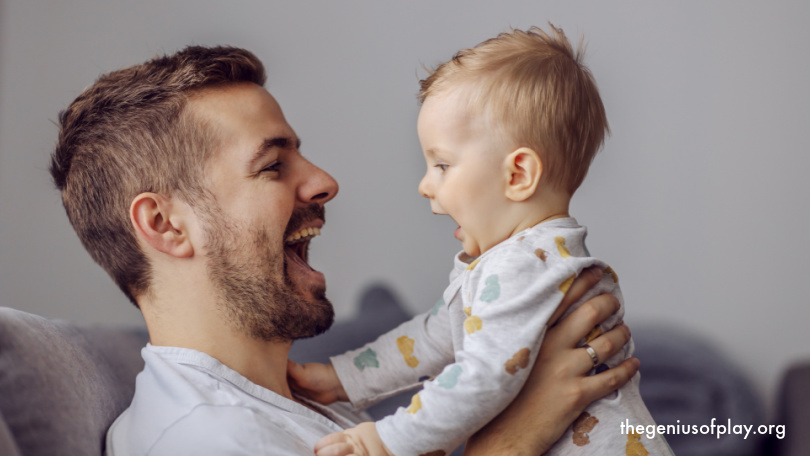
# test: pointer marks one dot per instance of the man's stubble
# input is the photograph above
(256, 294)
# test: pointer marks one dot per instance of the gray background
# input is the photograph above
(699, 199)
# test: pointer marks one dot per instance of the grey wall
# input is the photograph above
(699, 199)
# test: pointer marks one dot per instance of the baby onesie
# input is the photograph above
(481, 339)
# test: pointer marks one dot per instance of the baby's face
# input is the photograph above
(466, 173)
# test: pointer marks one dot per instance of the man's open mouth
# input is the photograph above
(296, 246)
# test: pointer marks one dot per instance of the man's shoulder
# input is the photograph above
(186, 403)
(204, 429)
(230, 429)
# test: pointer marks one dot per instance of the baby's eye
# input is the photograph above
(442, 167)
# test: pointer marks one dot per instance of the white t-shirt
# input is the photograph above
(187, 402)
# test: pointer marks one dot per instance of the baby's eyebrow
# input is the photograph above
(432, 152)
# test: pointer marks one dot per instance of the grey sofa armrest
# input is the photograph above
(8, 447)
(794, 412)
(61, 385)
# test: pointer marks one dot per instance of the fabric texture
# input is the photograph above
(482, 338)
(188, 403)
(60, 385)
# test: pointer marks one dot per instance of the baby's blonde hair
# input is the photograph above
(535, 88)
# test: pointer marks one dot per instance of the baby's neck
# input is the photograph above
(528, 223)
(543, 208)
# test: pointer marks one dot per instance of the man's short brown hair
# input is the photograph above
(536, 90)
(130, 133)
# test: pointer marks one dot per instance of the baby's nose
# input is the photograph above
(423, 187)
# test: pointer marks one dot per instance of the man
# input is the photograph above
(185, 183)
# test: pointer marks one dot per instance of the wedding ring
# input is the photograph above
(592, 354)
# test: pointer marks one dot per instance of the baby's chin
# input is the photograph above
(472, 251)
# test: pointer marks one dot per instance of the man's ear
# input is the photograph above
(524, 168)
(161, 223)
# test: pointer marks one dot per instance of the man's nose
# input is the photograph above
(318, 187)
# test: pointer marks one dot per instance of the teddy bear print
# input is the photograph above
(471, 324)
(582, 426)
(593, 334)
(634, 446)
(405, 345)
(613, 275)
(519, 361)
(416, 404)
(567, 284)
(560, 241)
(366, 359)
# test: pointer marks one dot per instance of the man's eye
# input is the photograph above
(272, 168)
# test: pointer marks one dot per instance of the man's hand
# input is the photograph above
(361, 440)
(558, 388)
(316, 381)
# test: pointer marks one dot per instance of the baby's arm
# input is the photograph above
(397, 361)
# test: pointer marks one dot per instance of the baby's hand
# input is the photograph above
(316, 381)
(361, 440)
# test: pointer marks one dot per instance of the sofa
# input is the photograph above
(62, 384)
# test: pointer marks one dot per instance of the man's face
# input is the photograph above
(268, 204)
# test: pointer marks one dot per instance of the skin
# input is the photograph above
(259, 194)
(490, 186)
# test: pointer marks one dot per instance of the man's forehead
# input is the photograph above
(239, 99)
(241, 114)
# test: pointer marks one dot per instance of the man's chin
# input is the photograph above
(320, 311)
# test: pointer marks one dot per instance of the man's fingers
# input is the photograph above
(584, 281)
(576, 326)
(609, 343)
(600, 385)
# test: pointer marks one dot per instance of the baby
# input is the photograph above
(508, 130)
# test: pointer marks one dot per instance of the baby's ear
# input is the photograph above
(524, 168)
(162, 223)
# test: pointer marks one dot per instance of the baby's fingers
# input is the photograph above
(334, 445)
(295, 375)
(338, 449)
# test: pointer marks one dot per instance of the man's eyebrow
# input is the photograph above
(279, 142)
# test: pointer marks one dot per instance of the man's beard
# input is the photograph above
(256, 295)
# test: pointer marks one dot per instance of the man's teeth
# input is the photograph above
(303, 235)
